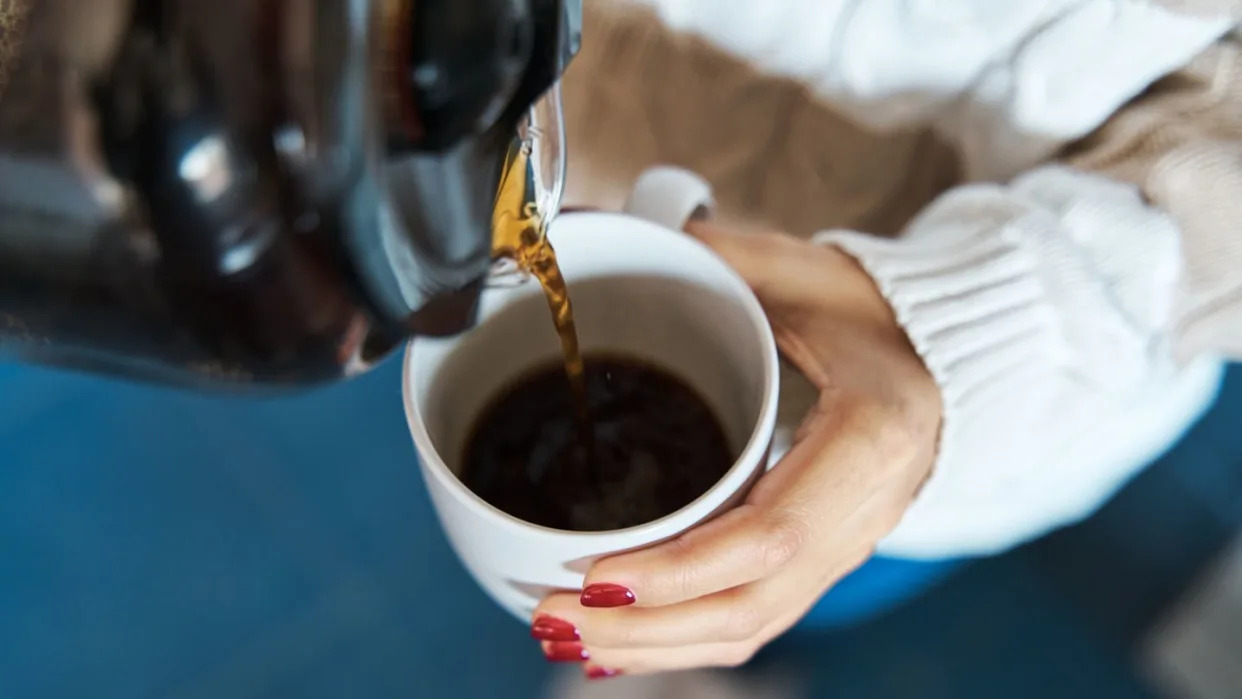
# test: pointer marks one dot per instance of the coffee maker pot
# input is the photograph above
(260, 192)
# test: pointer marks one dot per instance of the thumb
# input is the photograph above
(790, 276)
(785, 272)
(761, 259)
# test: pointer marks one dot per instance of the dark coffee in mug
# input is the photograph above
(587, 443)
(651, 446)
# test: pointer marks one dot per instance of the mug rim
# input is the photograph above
(753, 454)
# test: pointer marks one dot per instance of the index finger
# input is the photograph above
(749, 543)
(741, 546)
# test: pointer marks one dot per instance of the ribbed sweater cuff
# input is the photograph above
(973, 306)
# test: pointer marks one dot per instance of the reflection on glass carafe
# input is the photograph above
(257, 193)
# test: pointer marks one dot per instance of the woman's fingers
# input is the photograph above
(646, 660)
(738, 615)
(717, 642)
(752, 542)
(745, 544)
(735, 615)
(610, 663)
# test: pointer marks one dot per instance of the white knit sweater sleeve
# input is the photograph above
(1047, 311)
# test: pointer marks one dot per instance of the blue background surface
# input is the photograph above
(159, 544)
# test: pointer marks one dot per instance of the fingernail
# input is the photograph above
(566, 652)
(606, 595)
(601, 673)
(549, 628)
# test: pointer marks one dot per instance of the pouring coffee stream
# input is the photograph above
(519, 231)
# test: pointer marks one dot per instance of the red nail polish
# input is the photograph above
(601, 673)
(606, 595)
(549, 628)
(566, 652)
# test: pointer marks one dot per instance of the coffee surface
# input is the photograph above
(655, 446)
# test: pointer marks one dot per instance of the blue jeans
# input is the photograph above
(146, 535)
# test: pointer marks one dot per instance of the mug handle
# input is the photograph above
(671, 197)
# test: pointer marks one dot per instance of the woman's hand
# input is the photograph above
(716, 594)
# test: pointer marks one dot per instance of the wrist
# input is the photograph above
(856, 295)
(896, 367)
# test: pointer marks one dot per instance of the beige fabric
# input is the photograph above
(1202, 102)
(641, 94)
(1181, 144)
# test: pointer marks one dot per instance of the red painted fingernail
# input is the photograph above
(601, 673)
(549, 628)
(566, 652)
(606, 595)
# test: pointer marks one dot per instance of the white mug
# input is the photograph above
(639, 288)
